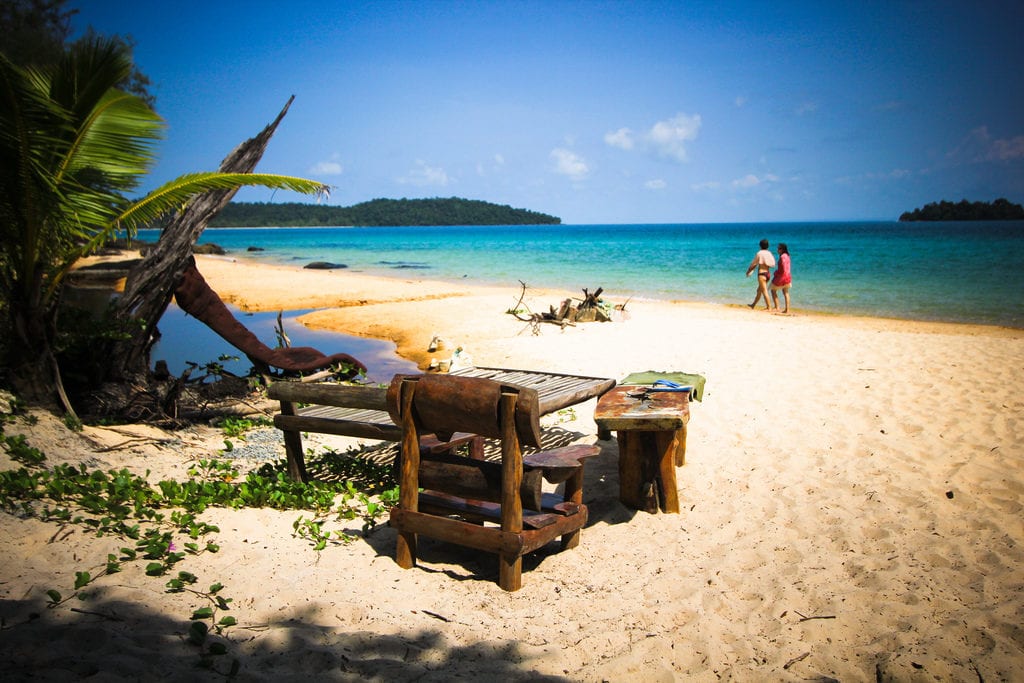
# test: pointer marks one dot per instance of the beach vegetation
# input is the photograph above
(378, 212)
(156, 528)
(236, 427)
(999, 210)
(73, 147)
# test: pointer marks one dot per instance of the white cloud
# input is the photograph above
(424, 175)
(979, 146)
(656, 184)
(326, 168)
(569, 164)
(622, 138)
(751, 180)
(740, 101)
(669, 137)
(1004, 150)
(666, 138)
(487, 167)
(707, 185)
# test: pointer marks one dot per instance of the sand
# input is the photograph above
(851, 504)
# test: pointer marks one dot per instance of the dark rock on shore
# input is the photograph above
(210, 248)
(254, 249)
(324, 265)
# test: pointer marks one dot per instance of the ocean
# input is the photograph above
(964, 272)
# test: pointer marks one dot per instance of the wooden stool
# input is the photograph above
(651, 430)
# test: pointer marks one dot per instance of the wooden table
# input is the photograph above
(651, 430)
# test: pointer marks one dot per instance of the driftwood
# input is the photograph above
(571, 311)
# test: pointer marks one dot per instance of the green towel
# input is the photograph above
(650, 376)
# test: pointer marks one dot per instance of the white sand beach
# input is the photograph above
(852, 506)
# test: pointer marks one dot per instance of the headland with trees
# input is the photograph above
(378, 212)
(999, 210)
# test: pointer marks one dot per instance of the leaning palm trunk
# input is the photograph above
(150, 286)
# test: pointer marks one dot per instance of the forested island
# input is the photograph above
(378, 212)
(999, 210)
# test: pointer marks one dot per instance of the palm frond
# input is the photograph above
(175, 194)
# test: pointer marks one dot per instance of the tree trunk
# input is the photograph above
(151, 284)
(30, 347)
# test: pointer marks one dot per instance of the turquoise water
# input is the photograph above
(956, 272)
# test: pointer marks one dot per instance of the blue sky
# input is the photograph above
(598, 112)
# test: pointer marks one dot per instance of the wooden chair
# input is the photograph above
(462, 497)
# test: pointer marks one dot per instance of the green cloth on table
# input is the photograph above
(648, 378)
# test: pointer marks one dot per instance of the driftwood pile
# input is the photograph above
(571, 311)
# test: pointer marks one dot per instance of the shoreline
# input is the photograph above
(410, 311)
(689, 262)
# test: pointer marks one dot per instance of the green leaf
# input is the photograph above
(54, 596)
(227, 621)
(197, 632)
(155, 569)
(217, 649)
(203, 613)
(81, 579)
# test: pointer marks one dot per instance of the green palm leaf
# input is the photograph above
(72, 147)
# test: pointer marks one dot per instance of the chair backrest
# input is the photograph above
(459, 494)
(445, 404)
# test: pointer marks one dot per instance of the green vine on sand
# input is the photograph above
(149, 519)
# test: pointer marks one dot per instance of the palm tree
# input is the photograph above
(72, 146)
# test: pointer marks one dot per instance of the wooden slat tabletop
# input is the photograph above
(554, 390)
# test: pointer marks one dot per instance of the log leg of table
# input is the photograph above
(681, 447)
(638, 470)
(667, 450)
(647, 474)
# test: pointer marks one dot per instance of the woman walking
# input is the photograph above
(782, 280)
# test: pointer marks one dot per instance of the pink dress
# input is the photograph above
(782, 275)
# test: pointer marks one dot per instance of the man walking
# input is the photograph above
(763, 262)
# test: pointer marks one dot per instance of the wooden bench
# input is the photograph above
(362, 411)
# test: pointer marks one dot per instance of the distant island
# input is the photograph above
(376, 213)
(999, 210)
